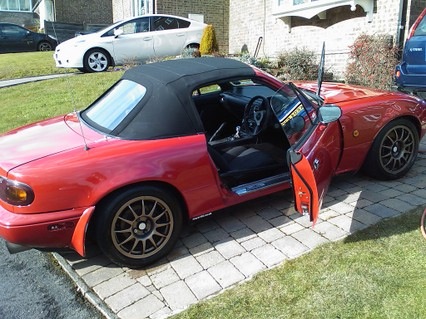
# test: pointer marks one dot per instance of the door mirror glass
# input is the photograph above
(329, 113)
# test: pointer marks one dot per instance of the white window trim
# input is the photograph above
(286, 8)
(8, 10)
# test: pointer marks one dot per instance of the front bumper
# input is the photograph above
(49, 231)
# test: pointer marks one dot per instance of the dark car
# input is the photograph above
(14, 38)
(410, 74)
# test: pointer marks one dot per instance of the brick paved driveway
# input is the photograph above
(220, 251)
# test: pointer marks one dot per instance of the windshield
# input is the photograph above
(110, 109)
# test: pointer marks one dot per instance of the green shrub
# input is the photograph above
(372, 61)
(208, 43)
(298, 64)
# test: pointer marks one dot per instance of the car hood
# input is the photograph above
(38, 140)
(80, 40)
(333, 93)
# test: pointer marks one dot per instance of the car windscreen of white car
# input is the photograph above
(111, 108)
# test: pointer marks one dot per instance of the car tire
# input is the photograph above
(138, 226)
(394, 151)
(96, 60)
(44, 46)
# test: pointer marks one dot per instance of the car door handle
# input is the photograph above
(147, 39)
(316, 164)
(180, 34)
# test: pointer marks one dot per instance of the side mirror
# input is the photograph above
(329, 113)
(118, 32)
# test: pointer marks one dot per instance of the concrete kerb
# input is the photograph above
(7, 83)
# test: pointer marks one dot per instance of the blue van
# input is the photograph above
(410, 74)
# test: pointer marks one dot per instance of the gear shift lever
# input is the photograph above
(237, 132)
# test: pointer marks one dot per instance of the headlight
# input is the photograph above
(15, 193)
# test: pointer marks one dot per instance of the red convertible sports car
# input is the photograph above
(173, 141)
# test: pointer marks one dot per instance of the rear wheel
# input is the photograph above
(139, 226)
(96, 60)
(393, 151)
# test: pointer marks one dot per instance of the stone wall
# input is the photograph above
(82, 11)
(25, 19)
(339, 29)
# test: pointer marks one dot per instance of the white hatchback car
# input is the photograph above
(133, 40)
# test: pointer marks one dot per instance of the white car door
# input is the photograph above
(169, 34)
(133, 42)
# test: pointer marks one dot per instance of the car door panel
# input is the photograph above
(313, 163)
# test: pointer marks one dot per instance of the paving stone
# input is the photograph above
(164, 278)
(381, 210)
(341, 208)
(201, 249)
(391, 193)
(178, 295)
(161, 314)
(85, 266)
(269, 255)
(413, 198)
(398, 205)
(268, 213)
(142, 309)
(102, 274)
(347, 224)
(186, 266)
(225, 274)
(114, 285)
(361, 203)
(270, 235)
(290, 246)
(216, 235)
(291, 228)
(373, 197)
(257, 223)
(243, 234)
(230, 223)
(248, 264)
(280, 221)
(126, 297)
(210, 259)
(194, 240)
(329, 231)
(205, 225)
(229, 248)
(202, 285)
(364, 217)
(253, 243)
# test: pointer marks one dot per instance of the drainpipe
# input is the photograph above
(402, 21)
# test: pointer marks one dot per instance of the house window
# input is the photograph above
(16, 5)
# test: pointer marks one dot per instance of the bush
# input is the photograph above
(372, 61)
(298, 64)
(208, 43)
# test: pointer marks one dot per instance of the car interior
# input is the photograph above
(244, 137)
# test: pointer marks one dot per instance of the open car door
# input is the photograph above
(315, 149)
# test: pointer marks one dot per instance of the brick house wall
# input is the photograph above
(82, 11)
(339, 29)
(215, 13)
(25, 19)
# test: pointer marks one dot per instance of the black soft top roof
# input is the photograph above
(167, 109)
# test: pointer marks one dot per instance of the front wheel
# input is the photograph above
(393, 151)
(44, 46)
(139, 226)
(96, 60)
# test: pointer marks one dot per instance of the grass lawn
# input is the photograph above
(31, 102)
(379, 272)
(26, 64)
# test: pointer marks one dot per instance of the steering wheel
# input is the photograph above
(256, 115)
